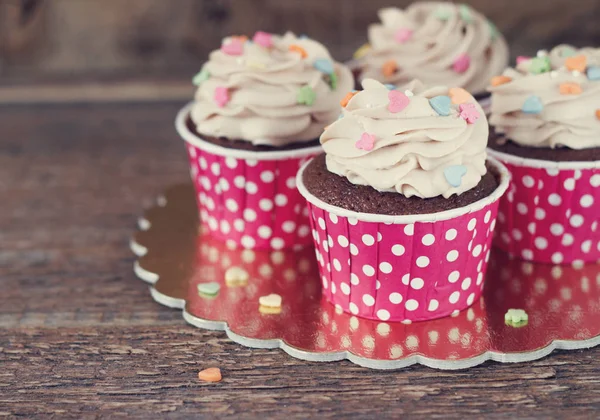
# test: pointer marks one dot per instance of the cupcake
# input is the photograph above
(439, 43)
(259, 109)
(403, 203)
(546, 119)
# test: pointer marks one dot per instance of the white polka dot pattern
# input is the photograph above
(551, 220)
(251, 203)
(394, 272)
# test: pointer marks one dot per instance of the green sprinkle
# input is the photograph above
(568, 52)
(465, 13)
(442, 13)
(540, 65)
(494, 32)
(332, 80)
(306, 96)
(209, 289)
(516, 318)
(202, 76)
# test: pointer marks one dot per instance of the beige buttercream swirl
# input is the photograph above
(566, 120)
(413, 147)
(263, 84)
(434, 46)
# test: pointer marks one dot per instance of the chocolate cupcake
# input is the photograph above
(439, 43)
(403, 204)
(546, 116)
(259, 109)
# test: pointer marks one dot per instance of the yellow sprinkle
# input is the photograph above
(362, 51)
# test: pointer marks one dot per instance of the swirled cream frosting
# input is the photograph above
(551, 100)
(439, 43)
(271, 90)
(416, 140)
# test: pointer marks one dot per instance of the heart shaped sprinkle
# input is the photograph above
(500, 80)
(200, 77)
(459, 96)
(347, 98)
(236, 275)
(441, 105)
(576, 63)
(210, 375)
(221, 96)
(366, 142)
(465, 13)
(454, 174)
(540, 65)
(598, 114)
(532, 105)
(389, 86)
(469, 113)
(402, 35)
(332, 80)
(362, 51)
(306, 96)
(270, 301)
(462, 63)
(212, 288)
(389, 68)
(263, 39)
(568, 52)
(593, 73)
(398, 101)
(298, 49)
(522, 59)
(323, 65)
(570, 88)
(233, 47)
(516, 318)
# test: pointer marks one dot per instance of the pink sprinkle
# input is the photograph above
(263, 39)
(366, 142)
(462, 63)
(402, 35)
(522, 58)
(221, 96)
(398, 101)
(233, 47)
(469, 113)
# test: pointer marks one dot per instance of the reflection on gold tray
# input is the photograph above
(563, 302)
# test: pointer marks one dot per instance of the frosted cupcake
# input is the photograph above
(260, 107)
(546, 116)
(439, 43)
(403, 203)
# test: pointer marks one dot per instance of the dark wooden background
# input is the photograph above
(88, 93)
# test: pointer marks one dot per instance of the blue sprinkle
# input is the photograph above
(390, 86)
(303, 36)
(593, 73)
(441, 105)
(323, 65)
(454, 174)
(532, 105)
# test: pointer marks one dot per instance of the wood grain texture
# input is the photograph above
(81, 337)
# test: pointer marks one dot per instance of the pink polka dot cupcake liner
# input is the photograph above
(404, 268)
(550, 212)
(246, 197)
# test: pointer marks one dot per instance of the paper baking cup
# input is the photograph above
(550, 213)
(248, 197)
(404, 268)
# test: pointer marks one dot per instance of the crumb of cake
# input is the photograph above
(210, 375)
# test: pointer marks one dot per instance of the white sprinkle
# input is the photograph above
(542, 53)
(409, 93)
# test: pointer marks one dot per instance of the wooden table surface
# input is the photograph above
(80, 335)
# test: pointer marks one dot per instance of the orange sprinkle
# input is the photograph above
(500, 80)
(389, 68)
(576, 63)
(298, 49)
(210, 375)
(459, 96)
(598, 114)
(241, 38)
(347, 98)
(570, 88)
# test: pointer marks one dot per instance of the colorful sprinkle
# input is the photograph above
(409, 93)
(462, 63)
(210, 375)
(402, 35)
(522, 59)
(299, 50)
(568, 52)
(263, 39)
(200, 77)
(454, 174)
(469, 113)
(398, 101)
(233, 47)
(236, 276)
(211, 289)
(347, 98)
(324, 65)
(539, 65)
(500, 80)
(542, 53)
(255, 64)
(332, 80)
(570, 88)
(494, 32)
(532, 105)
(441, 105)
(593, 73)
(306, 96)
(516, 318)
(366, 142)
(598, 114)
(459, 96)
(389, 86)
(442, 13)
(465, 13)
(576, 63)
(362, 51)
(389, 68)
(270, 301)
(221, 96)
